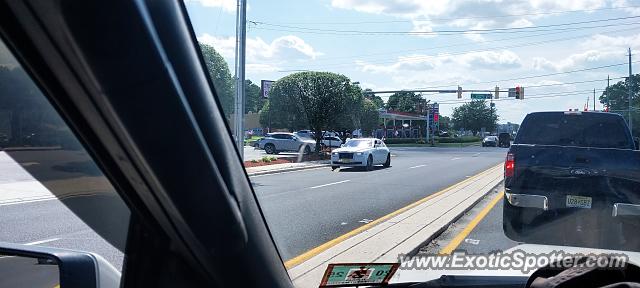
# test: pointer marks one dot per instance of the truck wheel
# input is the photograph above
(388, 162)
(270, 149)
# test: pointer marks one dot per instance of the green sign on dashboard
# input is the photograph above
(357, 274)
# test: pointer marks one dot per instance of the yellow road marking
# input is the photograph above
(322, 247)
(467, 230)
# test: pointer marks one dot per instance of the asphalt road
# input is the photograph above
(486, 237)
(303, 208)
(51, 223)
(307, 208)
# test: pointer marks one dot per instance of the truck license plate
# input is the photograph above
(346, 160)
(578, 201)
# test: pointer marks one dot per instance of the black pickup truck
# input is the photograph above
(573, 178)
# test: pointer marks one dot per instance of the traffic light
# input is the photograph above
(435, 117)
(519, 92)
(497, 92)
(459, 92)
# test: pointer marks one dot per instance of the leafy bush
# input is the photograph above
(254, 161)
(464, 139)
(402, 140)
(267, 159)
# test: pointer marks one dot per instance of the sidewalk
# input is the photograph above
(286, 167)
(401, 232)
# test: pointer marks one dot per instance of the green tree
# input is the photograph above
(377, 100)
(404, 102)
(444, 122)
(316, 100)
(474, 116)
(369, 118)
(220, 76)
(254, 101)
(617, 98)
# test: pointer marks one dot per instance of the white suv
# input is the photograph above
(279, 142)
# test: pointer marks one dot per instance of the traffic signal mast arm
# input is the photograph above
(519, 91)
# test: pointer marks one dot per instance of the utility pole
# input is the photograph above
(594, 99)
(241, 36)
(630, 84)
(607, 93)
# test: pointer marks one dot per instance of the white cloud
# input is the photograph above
(474, 37)
(286, 48)
(227, 5)
(424, 28)
(629, 7)
(476, 60)
(573, 61)
(520, 23)
(597, 50)
(465, 13)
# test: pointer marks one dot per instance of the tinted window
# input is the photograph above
(52, 193)
(597, 130)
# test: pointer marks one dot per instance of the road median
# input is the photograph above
(401, 232)
(286, 167)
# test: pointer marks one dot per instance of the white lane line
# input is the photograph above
(324, 185)
(27, 201)
(42, 241)
(418, 166)
(287, 172)
(455, 158)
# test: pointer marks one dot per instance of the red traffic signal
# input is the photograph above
(435, 117)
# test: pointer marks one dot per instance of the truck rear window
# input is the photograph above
(598, 130)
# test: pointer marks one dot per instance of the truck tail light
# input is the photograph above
(509, 165)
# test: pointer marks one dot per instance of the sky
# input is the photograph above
(556, 50)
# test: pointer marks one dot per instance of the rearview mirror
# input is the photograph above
(35, 266)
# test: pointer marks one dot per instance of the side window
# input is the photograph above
(52, 193)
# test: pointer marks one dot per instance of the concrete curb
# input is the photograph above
(287, 169)
(439, 232)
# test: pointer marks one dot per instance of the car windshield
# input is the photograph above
(359, 143)
(485, 127)
(504, 125)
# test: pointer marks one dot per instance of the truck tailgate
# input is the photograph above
(605, 175)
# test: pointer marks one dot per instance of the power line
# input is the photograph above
(458, 18)
(442, 32)
(534, 96)
(539, 76)
(570, 83)
(420, 57)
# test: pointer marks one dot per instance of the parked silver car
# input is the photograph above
(273, 143)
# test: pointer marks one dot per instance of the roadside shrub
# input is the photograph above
(254, 161)
(402, 140)
(268, 159)
(463, 139)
